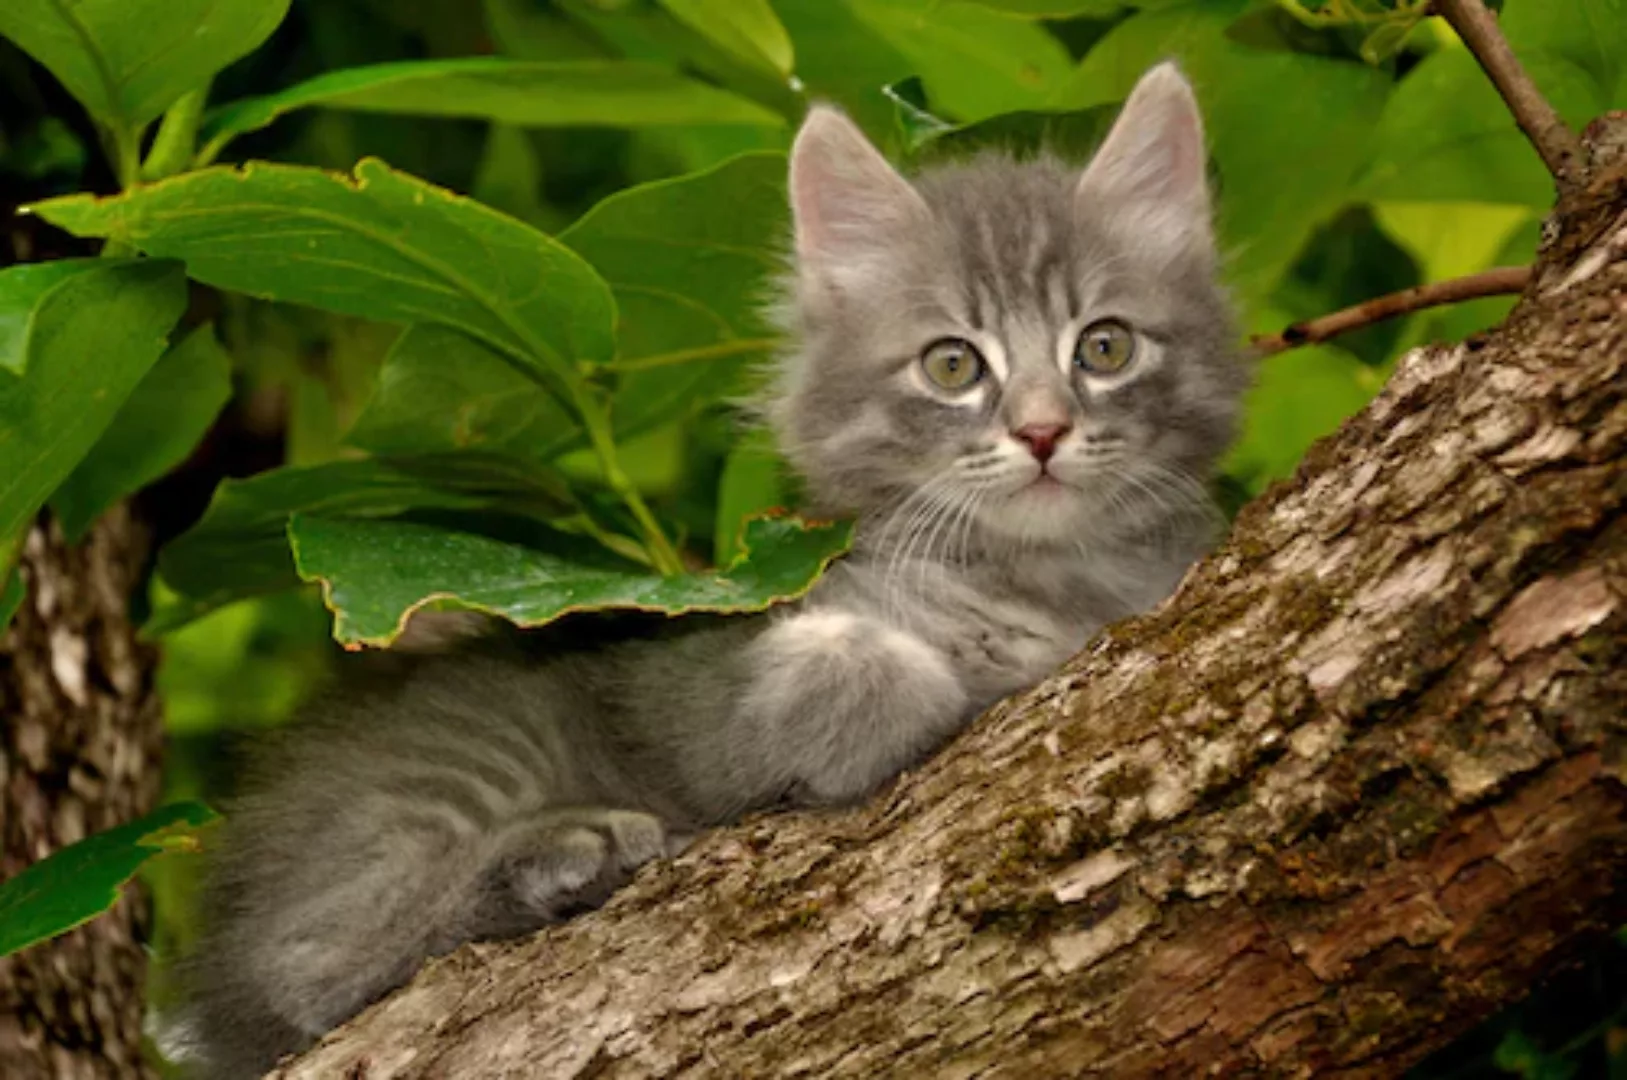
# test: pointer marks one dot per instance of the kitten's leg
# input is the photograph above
(843, 701)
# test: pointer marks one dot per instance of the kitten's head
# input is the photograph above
(1040, 349)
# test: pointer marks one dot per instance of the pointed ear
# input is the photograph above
(1148, 177)
(846, 199)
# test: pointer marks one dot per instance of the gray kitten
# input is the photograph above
(1016, 376)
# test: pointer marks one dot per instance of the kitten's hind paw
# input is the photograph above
(565, 862)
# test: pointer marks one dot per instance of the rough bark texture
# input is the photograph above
(80, 749)
(1358, 783)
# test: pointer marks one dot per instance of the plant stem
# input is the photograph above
(663, 556)
(717, 351)
(1558, 145)
(177, 136)
(126, 154)
(1503, 281)
(122, 144)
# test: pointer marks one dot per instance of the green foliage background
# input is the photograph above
(466, 333)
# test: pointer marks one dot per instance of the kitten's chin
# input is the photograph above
(1045, 511)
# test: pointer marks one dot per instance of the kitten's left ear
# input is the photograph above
(1148, 177)
(848, 202)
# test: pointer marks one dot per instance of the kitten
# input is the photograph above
(1016, 376)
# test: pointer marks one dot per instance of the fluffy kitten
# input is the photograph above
(1016, 375)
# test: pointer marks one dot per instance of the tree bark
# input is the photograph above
(79, 754)
(1359, 782)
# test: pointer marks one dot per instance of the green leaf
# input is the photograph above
(916, 122)
(23, 290)
(1262, 110)
(753, 483)
(975, 62)
(1452, 239)
(127, 61)
(74, 885)
(1298, 397)
(746, 29)
(841, 58)
(386, 246)
(164, 418)
(543, 93)
(509, 178)
(374, 574)
(689, 261)
(1072, 135)
(92, 339)
(1446, 135)
(240, 546)
(443, 390)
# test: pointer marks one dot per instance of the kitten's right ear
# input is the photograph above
(846, 199)
(1148, 177)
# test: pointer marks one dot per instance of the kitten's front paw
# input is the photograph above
(570, 861)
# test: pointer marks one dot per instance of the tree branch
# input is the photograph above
(1503, 281)
(1559, 146)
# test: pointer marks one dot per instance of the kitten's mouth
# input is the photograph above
(1047, 481)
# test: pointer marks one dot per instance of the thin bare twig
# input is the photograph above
(1503, 281)
(1559, 146)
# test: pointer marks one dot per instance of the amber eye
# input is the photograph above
(1105, 347)
(952, 364)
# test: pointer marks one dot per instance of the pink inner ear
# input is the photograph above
(844, 194)
(1155, 149)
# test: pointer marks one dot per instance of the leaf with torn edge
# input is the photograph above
(240, 547)
(375, 574)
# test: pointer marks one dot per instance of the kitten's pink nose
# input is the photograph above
(1042, 439)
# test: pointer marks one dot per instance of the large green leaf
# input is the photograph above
(975, 62)
(841, 58)
(92, 340)
(384, 245)
(1287, 130)
(547, 93)
(1446, 135)
(240, 547)
(23, 290)
(443, 390)
(70, 887)
(158, 426)
(375, 574)
(689, 261)
(746, 29)
(127, 61)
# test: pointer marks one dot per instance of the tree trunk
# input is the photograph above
(1356, 785)
(80, 754)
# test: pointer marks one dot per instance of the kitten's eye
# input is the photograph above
(1105, 347)
(952, 364)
